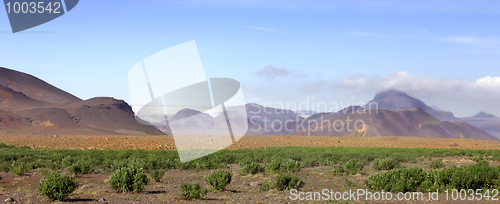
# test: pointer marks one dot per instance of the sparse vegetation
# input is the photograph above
(338, 170)
(252, 168)
(157, 175)
(277, 160)
(128, 179)
(130, 166)
(57, 186)
(80, 167)
(192, 191)
(385, 164)
(417, 179)
(348, 182)
(288, 182)
(437, 164)
(354, 166)
(219, 179)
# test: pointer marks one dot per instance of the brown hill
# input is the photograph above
(14, 100)
(402, 122)
(30, 105)
(34, 87)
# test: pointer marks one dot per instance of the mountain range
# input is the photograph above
(30, 105)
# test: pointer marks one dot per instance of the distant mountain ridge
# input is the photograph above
(383, 122)
(30, 105)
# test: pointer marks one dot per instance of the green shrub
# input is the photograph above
(398, 180)
(192, 191)
(157, 175)
(56, 186)
(416, 179)
(354, 166)
(477, 158)
(279, 166)
(274, 166)
(5, 167)
(469, 177)
(18, 168)
(292, 166)
(348, 182)
(338, 170)
(68, 161)
(483, 163)
(385, 164)
(266, 185)
(288, 182)
(80, 167)
(437, 164)
(252, 168)
(128, 179)
(219, 179)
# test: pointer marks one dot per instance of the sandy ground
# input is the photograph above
(167, 142)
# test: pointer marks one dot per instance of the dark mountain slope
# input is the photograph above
(402, 122)
(393, 100)
(34, 87)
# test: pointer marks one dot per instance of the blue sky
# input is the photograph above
(446, 53)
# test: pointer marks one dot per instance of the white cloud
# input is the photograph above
(260, 28)
(360, 34)
(460, 96)
(404, 81)
(270, 73)
(488, 82)
(484, 42)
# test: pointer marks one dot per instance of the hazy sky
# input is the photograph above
(446, 53)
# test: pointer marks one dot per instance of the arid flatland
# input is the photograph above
(167, 142)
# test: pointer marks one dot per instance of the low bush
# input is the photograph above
(56, 186)
(192, 191)
(266, 185)
(80, 167)
(292, 166)
(157, 175)
(252, 168)
(417, 179)
(18, 168)
(354, 166)
(288, 182)
(483, 163)
(280, 166)
(477, 158)
(128, 179)
(468, 177)
(219, 179)
(338, 170)
(348, 182)
(398, 180)
(437, 164)
(274, 166)
(385, 164)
